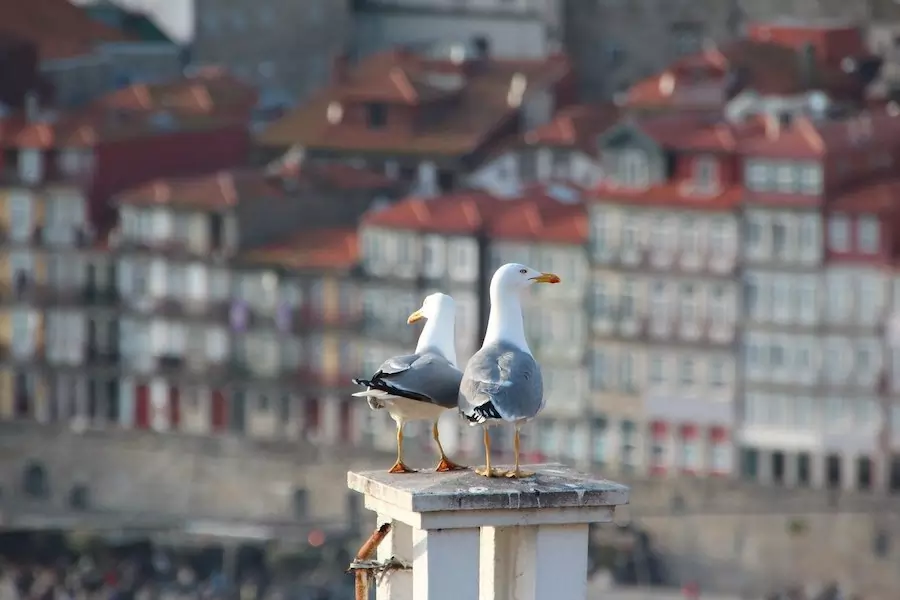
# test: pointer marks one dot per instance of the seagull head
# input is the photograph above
(432, 306)
(515, 276)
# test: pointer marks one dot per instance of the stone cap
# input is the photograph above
(553, 486)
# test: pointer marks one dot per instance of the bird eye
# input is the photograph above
(523, 271)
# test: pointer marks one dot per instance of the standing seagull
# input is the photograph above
(502, 382)
(422, 385)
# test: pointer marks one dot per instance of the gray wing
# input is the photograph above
(501, 382)
(428, 377)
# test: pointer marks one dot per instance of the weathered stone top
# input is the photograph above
(552, 486)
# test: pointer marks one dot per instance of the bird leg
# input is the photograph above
(518, 473)
(399, 467)
(445, 463)
(486, 470)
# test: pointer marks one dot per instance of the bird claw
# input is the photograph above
(446, 465)
(399, 467)
(518, 474)
(484, 472)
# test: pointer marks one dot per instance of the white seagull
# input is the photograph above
(502, 382)
(422, 385)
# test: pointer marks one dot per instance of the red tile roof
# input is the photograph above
(575, 127)
(805, 138)
(215, 191)
(699, 81)
(89, 126)
(208, 91)
(542, 220)
(533, 217)
(474, 108)
(674, 195)
(225, 189)
(58, 28)
(324, 249)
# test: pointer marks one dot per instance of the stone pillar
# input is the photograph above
(491, 539)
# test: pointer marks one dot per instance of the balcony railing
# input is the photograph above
(42, 294)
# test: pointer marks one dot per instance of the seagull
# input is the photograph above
(422, 385)
(502, 381)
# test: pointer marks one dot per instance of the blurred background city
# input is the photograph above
(215, 213)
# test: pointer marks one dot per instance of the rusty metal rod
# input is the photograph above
(365, 553)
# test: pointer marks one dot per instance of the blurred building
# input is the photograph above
(82, 58)
(564, 150)
(664, 246)
(238, 312)
(283, 47)
(452, 244)
(425, 118)
(513, 29)
(59, 170)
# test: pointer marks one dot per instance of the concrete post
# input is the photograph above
(488, 539)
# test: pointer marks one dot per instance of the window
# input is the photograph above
(633, 171)
(686, 372)
(598, 440)
(717, 374)
(720, 459)
(376, 115)
(656, 372)
(867, 234)
(630, 234)
(599, 371)
(757, 176)
(785, 178)
(689, 457)
(433, 257)
(811, 179)
(839, 233)
(705, 173)
(808, 238)
(20, 216)
(718, 311)
(627, 381)
(688, 304)
(779, 240)
(601, 233)
(602, 303)
(627, 301)
(718, 238)
(690, 235)
(753, 234)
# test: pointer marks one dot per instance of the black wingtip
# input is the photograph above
(362, 382)
(482, 413)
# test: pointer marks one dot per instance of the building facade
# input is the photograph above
(664, 247)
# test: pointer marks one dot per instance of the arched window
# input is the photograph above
(35, 483)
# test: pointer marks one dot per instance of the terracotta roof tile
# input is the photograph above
(473, 111)
(215, 191)
(699, 81)
(58, 28)
(575, 127)
(675, 195)
(542, 219)
(804, 138)
(534, 216)
(325, 249)
(208, 91)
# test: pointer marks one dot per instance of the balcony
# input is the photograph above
(287, 320)
(25, 291)
(98, 356)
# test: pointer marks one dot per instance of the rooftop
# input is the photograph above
(474, 103)
(533, 216)
(575, 127)
(206, 91)
(225, 189)
(332, 249)
(58, 28)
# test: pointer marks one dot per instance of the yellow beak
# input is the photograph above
(416, 316)
(546, 278)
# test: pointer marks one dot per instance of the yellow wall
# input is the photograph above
(330, 355)
(331, 305)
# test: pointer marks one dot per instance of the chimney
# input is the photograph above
(340, 68)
